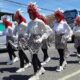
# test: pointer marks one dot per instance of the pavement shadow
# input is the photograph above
(73, 55)
(3, 63)
(11, 70)
(17, 77)
(75, 52)
(55, 58)
(51, 68)
(72, 62)
(3, 51)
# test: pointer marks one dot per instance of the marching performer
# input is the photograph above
(9, 36)
(76, 32)
(62, 33)
(20, 30)
(38, 31)
(44, 46)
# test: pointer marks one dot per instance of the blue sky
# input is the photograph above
(48, 4)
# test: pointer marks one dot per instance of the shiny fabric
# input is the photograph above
(60, 41)
(77, 41)
(32, 45)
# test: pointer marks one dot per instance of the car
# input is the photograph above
(2, 38)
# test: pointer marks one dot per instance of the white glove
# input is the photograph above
(23, 24)
(15, 37)
(26, 35)
(39, 40)
(67, 37)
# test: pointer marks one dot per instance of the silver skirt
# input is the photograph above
(9, 38)
(32, 45)
(60, 41)
(77, 41)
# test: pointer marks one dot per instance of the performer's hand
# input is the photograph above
(15, 37)
(39, 40)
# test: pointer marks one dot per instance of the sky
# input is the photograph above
(46, 4)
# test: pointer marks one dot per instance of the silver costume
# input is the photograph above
(77, 41)
(60, 41)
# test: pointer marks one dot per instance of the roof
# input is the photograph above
(6, 13)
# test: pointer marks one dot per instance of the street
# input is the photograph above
(71, 72)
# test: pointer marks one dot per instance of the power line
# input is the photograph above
(7, 9)
(16, 2)
(27, 5)
(11, 10)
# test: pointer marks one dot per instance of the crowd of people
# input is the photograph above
(34, 36)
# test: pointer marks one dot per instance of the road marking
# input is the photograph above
(70, 75)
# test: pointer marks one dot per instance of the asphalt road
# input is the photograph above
(71, 72)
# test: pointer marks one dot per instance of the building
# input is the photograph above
(10, 15)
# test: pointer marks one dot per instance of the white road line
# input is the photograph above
(70, 75)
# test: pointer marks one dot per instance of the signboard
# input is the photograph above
(70, 15)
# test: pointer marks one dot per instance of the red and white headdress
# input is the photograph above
(34, 10)
(59, 14)
(18, 12)
(4, 18)
(59, 9)
(6, 22)
(18, 17)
